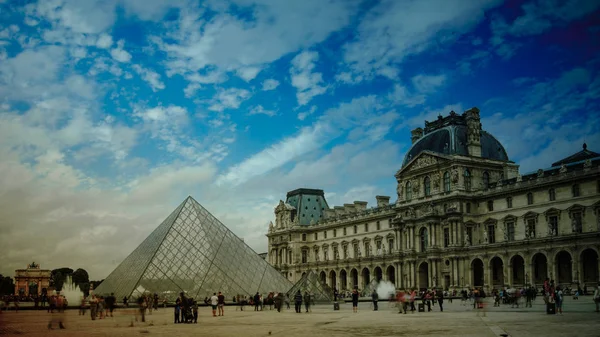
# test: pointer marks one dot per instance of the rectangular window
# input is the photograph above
(324, 234)
(510, 231)
(553, 224)
(366, 250)
(378, 226)
(366, 227)
(355, 250)
(336, 253)
(344, 230)
(490, 205)
(305, 256)
(335, 233)
(575, 190)
(491, 234)
(316, 236)
(355, 229)
(577, 225)
(470, 234)
(303, 237)
(529, 198)
(468, 207)
(530, 230)
(509, 202)
(446, 237)
(390, 246)
(389, 223)
(378, 245)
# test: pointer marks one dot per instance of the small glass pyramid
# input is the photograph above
(311, 283)
(192, 252)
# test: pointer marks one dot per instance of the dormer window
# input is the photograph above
(486, 180)
(446, 181)
(427, 186)
(467, 176)
(408, 191)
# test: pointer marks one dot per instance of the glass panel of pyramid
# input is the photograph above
(312, 284)
(192, 252)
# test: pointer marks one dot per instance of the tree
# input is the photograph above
(80, 276)
(58, 276)
(7, 285)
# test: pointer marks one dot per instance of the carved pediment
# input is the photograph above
(490, 221)
(378, 237)
(390, 236)
(423, 160)
(355, 241)
(509, 218)
(344, 243)
(576, 207)
(530, 214)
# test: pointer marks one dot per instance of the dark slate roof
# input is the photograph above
(452, 139)
(579, 156)
(310, 204)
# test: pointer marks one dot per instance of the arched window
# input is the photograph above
(529, 198)
(424, 239)
(446, 181)
(427, 185)
(486, 179)
(551, 194)
(467, 176)
(408, 191)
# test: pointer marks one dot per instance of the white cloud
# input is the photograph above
(392, 30)
(308, 83)
(400, 95)
(229, 99)
(150, 76)
(105, 41)
(120, 54)
(259, 110)
(302, 115)
(333, 123)
(248, 73)
(428, 83)
(270, 84)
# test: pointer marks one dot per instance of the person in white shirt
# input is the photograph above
(214, 300)
(597, 297)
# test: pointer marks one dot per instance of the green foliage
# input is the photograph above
(7, 285)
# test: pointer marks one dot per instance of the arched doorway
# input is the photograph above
(378, 274)
(424, 275)
(589, 266)
(354, 277)
(564, 274)
(539, 268)
(343, 280)
(323, 277)
(518, 271)
(391, 275)
(33, 289)
(477, 267)
(332, 279)
(497, 267)
(366, 276)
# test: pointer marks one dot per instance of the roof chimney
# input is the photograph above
(382, 200)
(360, 205)
(416, 134)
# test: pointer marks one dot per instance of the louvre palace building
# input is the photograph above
(464, 217)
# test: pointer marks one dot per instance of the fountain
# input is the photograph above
(385, 289)
(71, 292)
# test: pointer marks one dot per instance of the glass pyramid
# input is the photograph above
(311, 283)
(192, 252)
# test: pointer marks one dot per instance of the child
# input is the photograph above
(195, 311)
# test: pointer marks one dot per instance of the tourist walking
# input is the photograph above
(195, 311)
(355, 300)
(597, 297)
(93, 307)
(221, 304)
(298, 302)
(59, 316)
(256, 300)
(558, 299)
(214, 301)
(375, 298)
(441, 300)
(110, 304)
(307, 301)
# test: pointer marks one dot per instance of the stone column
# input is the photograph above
(574, 270)
(598, 280)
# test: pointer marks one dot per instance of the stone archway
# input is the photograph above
(354, 278)
(366, 277)
(497, 269)
(343, 280)
(589, 267)
(564, 271)
(333, 279)
(517, 264)
(323, 277)
(539, 268)
(424, 275)
(378, 274)
(391, 275)
(478, 274)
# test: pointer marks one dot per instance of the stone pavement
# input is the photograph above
(579, 319)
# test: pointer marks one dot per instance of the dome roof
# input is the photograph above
(452, 139)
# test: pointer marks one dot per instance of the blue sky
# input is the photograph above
(112, 112)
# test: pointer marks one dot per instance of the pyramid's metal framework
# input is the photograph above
(192, 252)
(311, 283)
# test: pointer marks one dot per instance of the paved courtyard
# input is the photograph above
(456, 320)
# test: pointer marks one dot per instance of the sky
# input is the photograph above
(112, 112)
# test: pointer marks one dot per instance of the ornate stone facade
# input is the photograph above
(462, 218)
(32, 280)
